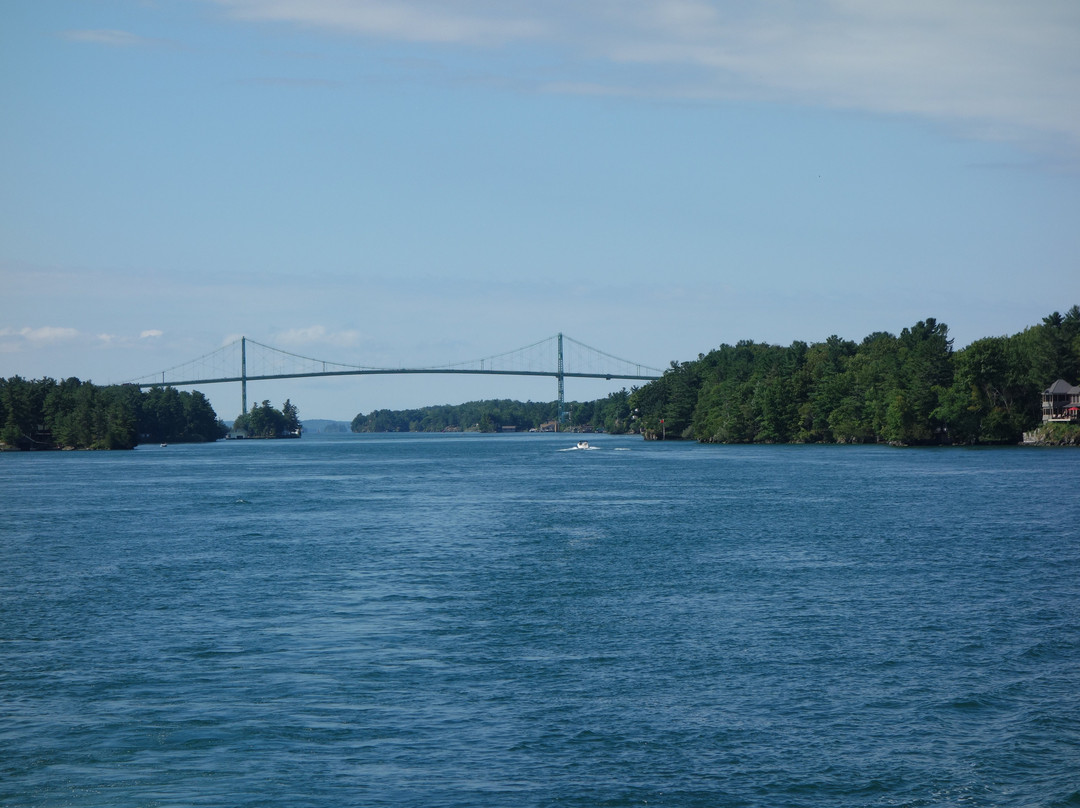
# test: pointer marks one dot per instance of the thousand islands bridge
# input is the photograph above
(245, 360)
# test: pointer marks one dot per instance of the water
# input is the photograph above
(489, 621)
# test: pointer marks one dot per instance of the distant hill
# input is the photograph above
(323, 425)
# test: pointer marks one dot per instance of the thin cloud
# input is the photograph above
(291, 83)
(115, 39)
(316, 335)
(14, 340)
(994, 68)
(468, 22)
(43, 334)
(150, 333)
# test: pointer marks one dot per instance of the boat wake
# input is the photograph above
(582, 445)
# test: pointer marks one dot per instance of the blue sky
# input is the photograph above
(425, 181)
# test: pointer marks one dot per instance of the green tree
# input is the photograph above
(291, 415)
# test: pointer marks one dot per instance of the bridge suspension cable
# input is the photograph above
(244, 360)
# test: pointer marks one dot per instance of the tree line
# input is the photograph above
(47, 414)
(911, 389)
(610, 414)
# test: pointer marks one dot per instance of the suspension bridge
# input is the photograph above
(245, 360)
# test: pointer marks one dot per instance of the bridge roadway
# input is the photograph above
(400, 372)
(560, 374)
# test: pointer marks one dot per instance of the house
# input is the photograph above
(1061, 402)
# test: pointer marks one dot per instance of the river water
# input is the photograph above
(467, 620)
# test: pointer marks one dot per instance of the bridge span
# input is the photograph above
(558, 357)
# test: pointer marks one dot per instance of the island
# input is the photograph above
(265, 422)
(47, 414)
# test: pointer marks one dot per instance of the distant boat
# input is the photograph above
(581, 444)
(164, 445)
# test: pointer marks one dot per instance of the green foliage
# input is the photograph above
(265, 421)
(476, 416)
(992, 398)
(168, 415)
(291, 416)
(46, 414)
(611, 414)
(909, 389)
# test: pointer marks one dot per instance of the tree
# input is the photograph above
(292, 416)
(18, 422)
(264, 421)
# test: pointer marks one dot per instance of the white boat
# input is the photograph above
(581, 444)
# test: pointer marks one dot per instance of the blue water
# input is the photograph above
(489, 621)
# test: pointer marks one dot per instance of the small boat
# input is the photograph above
(164, 445)
(583, 444)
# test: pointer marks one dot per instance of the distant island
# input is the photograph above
(325, 425)
(611, 414)
(72, 414)
(264, 421)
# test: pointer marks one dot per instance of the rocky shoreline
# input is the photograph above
(1053, 435)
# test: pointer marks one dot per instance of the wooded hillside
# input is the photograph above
(908, 389)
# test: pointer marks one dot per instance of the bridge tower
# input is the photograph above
(562, 397)
(508, 363)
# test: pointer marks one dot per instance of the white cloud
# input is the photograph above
(16, 340)
(40, 336)
(997, 68)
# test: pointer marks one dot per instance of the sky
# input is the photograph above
(396, 183)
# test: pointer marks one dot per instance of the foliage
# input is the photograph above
(477, 416)
(909, 389)
(611, 414)
(266, 422)
(46, 414)
(169, 415)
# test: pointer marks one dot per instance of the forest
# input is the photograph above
(911, 389)
(50, 414)
(610, 414)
